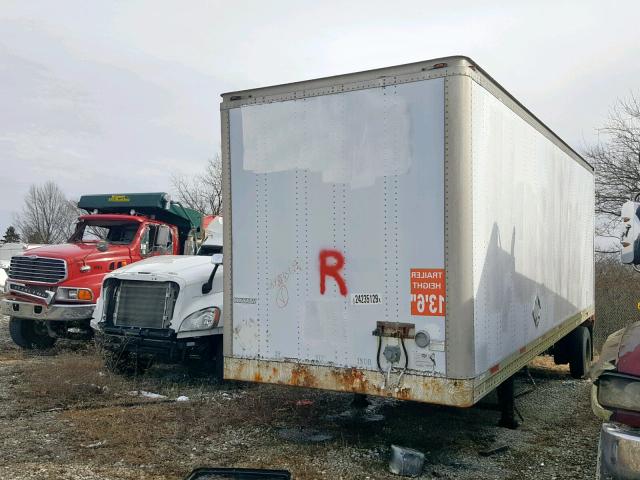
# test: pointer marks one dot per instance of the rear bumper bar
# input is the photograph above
(34, 311)
(619, 452)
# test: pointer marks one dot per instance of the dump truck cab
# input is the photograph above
(165, 309)
(51, 291)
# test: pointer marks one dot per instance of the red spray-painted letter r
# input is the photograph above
(331, 263)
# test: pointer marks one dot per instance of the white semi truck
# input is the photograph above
(411, 231)
(165, 308)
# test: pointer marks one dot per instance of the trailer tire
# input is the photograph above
(562, 350)
(582, 352)
(30, 334)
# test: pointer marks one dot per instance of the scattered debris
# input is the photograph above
(99, 444)
(143, 393)
(406, 461)
(304, 403)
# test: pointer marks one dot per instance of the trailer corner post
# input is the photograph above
(227, 316)
(458, 232)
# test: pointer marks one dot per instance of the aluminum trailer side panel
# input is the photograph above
(378, 170)
(532, 232)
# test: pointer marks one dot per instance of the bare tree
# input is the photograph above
(201, 192)
(47, 216)
(617, 163)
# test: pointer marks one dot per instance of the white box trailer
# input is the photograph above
(411, 231)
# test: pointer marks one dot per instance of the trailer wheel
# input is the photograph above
(30, 334)
(562, 350)
(581, 354)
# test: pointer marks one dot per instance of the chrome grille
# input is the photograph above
(144, 304)
(37, 269)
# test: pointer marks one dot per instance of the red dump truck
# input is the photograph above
(51, 291)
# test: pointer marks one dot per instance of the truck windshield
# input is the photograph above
(119, 233)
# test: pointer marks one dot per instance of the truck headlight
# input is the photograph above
(619, 392)
(74, 294)
(201, 320)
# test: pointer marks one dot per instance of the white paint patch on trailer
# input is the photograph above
(360, 176)
(532, 230)
(334, 135)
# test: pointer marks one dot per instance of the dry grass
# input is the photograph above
(216, 426)
(69, 379)
(215, 429)
(543, 363)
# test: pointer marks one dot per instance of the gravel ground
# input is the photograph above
(63, 417)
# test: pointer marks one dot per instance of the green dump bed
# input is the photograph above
(157, 205)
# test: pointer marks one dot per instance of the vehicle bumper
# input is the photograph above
(34, 311)
(162, 344)
(619, 452)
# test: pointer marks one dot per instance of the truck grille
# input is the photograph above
(37, 269)
(144, 304)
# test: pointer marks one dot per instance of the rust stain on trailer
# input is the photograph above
(419, 388)
(302, 377)
(351, 379)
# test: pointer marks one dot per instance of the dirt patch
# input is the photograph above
(65, 416)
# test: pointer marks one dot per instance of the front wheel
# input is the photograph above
(582, 353)
(30, 334)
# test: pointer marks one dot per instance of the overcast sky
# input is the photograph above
(115, 96)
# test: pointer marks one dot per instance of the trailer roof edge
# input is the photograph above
(402, 69)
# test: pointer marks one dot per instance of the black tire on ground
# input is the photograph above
(30, 334)
(581, 354)
(562, 350)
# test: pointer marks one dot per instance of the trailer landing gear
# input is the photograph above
(506, 401)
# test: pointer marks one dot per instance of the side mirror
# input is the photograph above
(144, 249)
(237, 474)
(216, 259)
(630, 239)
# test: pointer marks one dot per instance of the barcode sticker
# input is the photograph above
(366, 298)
